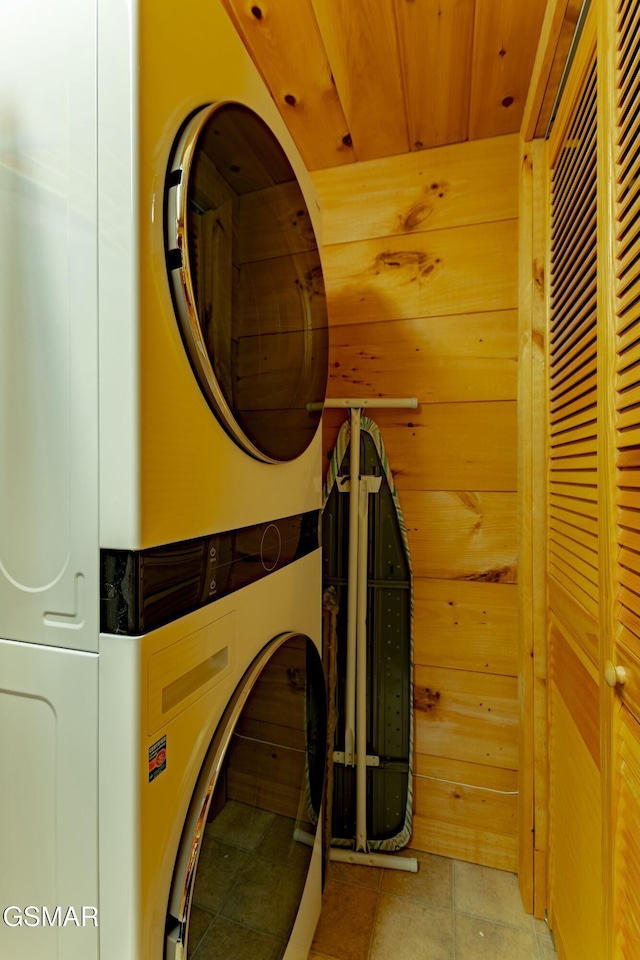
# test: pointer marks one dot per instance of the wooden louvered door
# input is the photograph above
(574, 564)
(626, 455)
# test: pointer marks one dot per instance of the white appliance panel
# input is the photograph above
(48, 801)
(48, 324)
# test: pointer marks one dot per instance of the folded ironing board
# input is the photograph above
(389, 623)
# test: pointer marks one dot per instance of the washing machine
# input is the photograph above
(161, 252)
(218, 796)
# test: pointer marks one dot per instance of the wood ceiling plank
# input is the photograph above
(448, 186)
(284, 42)
(436, 43)
(505, 42)
(361, 41)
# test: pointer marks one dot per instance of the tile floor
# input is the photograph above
(449, 910)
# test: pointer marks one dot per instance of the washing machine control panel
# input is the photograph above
(144, 589)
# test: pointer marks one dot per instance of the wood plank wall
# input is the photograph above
(421, 273)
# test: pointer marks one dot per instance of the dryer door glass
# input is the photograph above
(250, 840)
(247, 280)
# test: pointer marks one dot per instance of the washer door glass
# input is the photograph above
(250, 836)
(247, 281)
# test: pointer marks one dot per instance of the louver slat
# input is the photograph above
(628, 35)
(565, 340)
(576, 534)
(571, 157)
(573, 402)
(585, 347)
(574, 386)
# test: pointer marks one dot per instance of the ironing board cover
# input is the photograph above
(397, 770)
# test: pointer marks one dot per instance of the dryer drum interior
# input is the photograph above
(249, 836)
(246, 280)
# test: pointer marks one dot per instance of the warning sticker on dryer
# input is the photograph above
(157, 758)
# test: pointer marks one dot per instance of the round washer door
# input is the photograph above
(248, 842)
(247, 281)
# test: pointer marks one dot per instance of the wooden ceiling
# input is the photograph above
(360, 79)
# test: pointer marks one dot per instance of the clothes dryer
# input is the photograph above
(213, 320)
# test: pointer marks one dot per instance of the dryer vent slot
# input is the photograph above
(190, 682)
(184, 671)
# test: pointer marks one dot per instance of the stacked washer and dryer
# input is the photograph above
(163, 329)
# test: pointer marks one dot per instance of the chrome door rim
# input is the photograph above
(178, 265)
(191, 843)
